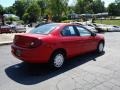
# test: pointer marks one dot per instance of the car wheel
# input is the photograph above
(100, 47)
(57, 59)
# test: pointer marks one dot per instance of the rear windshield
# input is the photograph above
(44, 29)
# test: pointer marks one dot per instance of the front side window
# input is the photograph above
(69, 31)
(82, 31)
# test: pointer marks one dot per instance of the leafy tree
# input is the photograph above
(83, 6)
(32, 12)
(1, 14)
(89, 6)
(65, 6)
(98, 6)
(42, 6)
(26, 17)
(20, 6)
(79, 7)
(71, 9)
(9, 10)
(57, 8)
(117, 1)
(114, 8)
(1, 10)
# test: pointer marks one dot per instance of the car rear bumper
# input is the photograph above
(31, 55)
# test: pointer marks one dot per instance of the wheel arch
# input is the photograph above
(59, 50)
(102, 41)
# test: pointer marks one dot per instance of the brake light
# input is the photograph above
(35, 43)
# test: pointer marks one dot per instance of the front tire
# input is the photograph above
(57, 59)
(100, 47)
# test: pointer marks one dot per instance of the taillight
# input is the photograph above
(35, 43)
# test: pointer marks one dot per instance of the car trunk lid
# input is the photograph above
(25, 40)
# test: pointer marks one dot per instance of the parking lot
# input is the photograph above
(86, 72)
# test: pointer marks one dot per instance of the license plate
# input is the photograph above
(18, 52)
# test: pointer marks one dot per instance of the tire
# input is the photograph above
(100, 47)
(57, 59)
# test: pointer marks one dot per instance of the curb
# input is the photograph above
(6, 43)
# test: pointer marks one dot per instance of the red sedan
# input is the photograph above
(55, 42)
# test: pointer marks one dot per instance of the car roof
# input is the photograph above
(64, 23)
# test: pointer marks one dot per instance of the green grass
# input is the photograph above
(109, 22)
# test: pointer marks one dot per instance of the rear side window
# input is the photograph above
(69, 31)
(44, 29)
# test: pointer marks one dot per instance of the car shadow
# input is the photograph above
(27, 74)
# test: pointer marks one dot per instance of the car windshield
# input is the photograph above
(44, 29)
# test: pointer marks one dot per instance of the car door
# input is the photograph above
(70, 39)
(86, 40)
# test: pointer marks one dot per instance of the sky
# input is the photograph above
(7, 3)
(107, 2)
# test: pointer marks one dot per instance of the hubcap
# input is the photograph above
(58, 60)
(101, 46)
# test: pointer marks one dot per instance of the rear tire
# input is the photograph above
(57, 59)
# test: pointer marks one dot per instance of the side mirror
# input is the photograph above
(93, 34)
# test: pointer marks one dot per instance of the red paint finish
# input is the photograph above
(38, 48)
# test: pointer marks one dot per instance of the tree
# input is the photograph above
(83, 6)
(1, 14)
(114, 8)
(42, 6)
(117, 1)
(89, 6)
(118, 7)
(65, 6)
(20, 7)
(1, 10)
(9, 10)
(32, 13)
(98, 6)
(57, 8)
(26, 17)
(79, 7)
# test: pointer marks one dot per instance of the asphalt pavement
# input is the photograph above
(86, 72)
